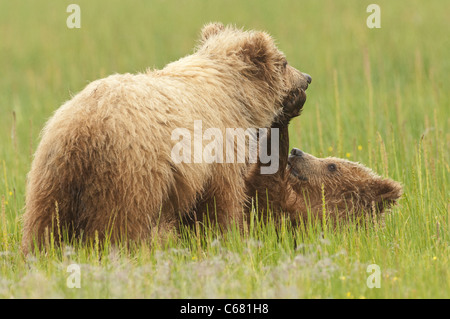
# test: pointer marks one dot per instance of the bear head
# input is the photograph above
(347, 188)
(254, 55)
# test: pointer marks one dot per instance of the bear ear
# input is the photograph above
(258, 52)
(386, 192)
(210, 30)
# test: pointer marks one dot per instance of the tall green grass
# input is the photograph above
(378, 96)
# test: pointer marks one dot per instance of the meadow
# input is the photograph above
(378, 96)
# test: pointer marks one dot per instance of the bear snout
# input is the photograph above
(307, 77)
(297, 152)
(296, 164)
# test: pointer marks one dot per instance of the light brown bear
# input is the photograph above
(304, 183)
(105, 162)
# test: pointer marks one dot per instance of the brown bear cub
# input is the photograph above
(304, 184)
(105, 165)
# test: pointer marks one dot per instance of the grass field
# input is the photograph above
(378, 96)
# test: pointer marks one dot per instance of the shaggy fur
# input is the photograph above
(104, 164)
(305, 183)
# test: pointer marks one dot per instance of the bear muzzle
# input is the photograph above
(294, 158)
(307, 77)
(297, 152)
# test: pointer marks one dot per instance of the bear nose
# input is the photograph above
(296, 152)
(308, 77)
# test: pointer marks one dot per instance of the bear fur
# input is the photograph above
(306, 186)
(104, 167)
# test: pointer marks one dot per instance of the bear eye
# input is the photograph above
(332, 167)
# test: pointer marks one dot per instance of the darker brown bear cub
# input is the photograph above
(305, 183)
(105, 164)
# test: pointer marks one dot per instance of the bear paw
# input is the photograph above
(293, 103)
